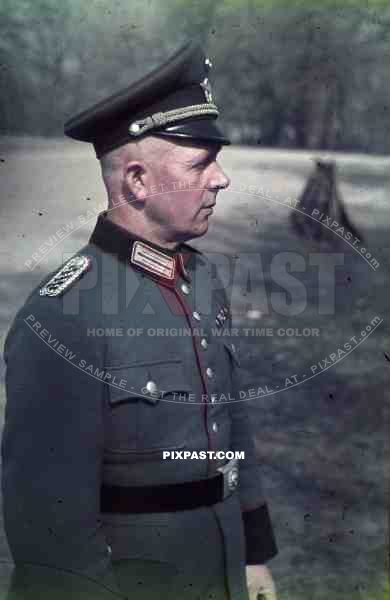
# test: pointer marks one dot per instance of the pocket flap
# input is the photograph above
(233, 352)
(149, 381)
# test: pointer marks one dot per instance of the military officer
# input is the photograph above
(117, 479)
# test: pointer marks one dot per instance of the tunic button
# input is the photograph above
(209, 373)
(185, 288)
(213, 398)
(196, 315)
(215, 427)
(151, 387)
(203, 343)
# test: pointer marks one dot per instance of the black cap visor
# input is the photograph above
(196, 129)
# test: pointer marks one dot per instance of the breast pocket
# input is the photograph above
(233, 353)
(143, 406)
(229, 368)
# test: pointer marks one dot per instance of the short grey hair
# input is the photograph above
(149, 148)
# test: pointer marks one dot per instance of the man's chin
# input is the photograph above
(201, 229)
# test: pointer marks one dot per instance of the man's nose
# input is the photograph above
(219, 180)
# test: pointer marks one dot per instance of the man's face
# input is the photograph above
(184, 184)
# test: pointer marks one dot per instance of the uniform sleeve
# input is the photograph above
(51, 459)
(259, 536)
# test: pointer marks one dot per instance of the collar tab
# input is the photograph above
(153, 261)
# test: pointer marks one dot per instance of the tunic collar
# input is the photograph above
(154, 260)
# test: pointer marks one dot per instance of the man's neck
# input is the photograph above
(130, 226)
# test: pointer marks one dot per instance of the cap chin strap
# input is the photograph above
(159, 119)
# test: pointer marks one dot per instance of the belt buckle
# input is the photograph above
(230, 477)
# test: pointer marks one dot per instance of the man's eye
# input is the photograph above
(203, 163)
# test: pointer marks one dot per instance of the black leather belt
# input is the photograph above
(169, 497)
(161, 498)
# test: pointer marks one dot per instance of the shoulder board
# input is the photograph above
(72, 270)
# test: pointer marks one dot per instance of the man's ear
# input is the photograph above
(135, 179)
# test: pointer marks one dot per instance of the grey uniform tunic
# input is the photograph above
(85, 409)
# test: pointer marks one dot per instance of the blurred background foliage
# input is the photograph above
(296, 74)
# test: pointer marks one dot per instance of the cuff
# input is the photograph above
(259, 536)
